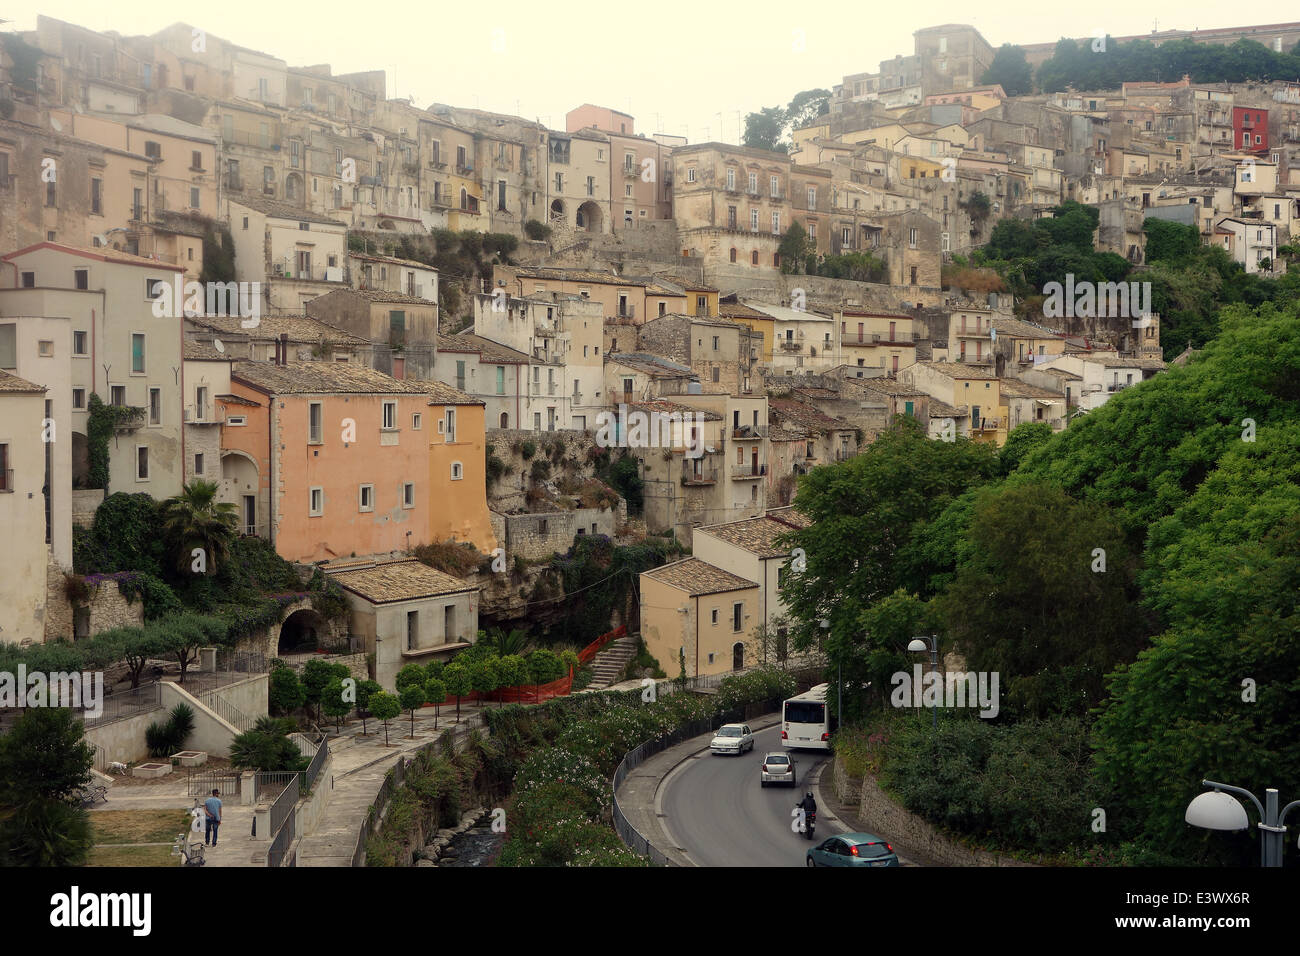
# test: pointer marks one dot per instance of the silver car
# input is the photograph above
(777, 768)
(732, 739)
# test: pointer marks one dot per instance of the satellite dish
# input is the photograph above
(216, 344)
(58, 127)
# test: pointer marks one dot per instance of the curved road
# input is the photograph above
(714, 807)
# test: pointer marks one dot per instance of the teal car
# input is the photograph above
(852, 849)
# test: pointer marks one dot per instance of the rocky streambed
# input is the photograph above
(470, 843)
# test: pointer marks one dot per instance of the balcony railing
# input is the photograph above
(748, 472)
(627, 311)
(698, 476)
(788, 346)
(749, 431)
(631, 172)
(1118, 386)
(235, 184)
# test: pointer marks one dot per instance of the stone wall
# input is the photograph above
(109, 609)
(58, 609)
(85, 501)
(880, 814)
(540, 535)
(123, 740)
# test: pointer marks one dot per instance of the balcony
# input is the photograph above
(626, 312)
(576, 398)
(788, 346)
(434, 164)
(697, 476)
(748, 472)
(133, 417)
(631, 172)
(203, 416)
(750, 432)
(1118, 386)
(843, 455)
(411, 169)
(988, 426)
(235, 184)
(464, 170)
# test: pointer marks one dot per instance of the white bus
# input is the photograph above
(805, 723)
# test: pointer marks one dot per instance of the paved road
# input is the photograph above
(714, 807)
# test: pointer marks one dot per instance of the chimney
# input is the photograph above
(284, 348)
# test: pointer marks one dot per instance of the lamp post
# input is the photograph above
(919, 645)
(1218, 811)
(839, 678)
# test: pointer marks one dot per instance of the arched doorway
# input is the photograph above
(737, 656)
(301, 632)
(293, 188)
(589, 217)
(505, 419)
(557, 211)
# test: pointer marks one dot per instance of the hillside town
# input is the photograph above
(441, 363)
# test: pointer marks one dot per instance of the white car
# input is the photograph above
(732, 739)
(777, 768)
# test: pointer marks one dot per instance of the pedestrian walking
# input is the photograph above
(212, 810)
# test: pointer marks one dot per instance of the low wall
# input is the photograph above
(880, 814)
(211, 732)
(311, 810)
(109, 609)
(123, 740)
(85, 501)
(251, 696)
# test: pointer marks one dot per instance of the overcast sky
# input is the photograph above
(690, 69)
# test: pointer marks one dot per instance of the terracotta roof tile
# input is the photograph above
(399, 581)
(697, 577)
(12, 383)
(323, 378)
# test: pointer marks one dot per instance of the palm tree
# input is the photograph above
(195, 519)
(510, 642)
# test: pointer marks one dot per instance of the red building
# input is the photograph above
(1250, 128)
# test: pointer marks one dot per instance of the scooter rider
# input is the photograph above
(808, 804)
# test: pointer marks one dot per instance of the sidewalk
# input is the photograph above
(356, 772)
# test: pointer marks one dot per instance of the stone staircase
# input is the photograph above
(607, 665)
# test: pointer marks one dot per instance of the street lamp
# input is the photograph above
(920, 645)
(1218, 811)
(839, 676)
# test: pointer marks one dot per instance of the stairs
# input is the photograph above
(609, 663)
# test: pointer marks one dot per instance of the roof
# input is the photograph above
(578, 275)
(697, 577)
(399, 581)
(737, 310)
(673, 408)
(203, 352)
(1014, 388)
(884, 385)
(392, 260)
(806, 416)
(488, 350)
(383, 295)
(282, 210)
(318, 378)
(103, 254)
(959, 370)
(12, 383)
(238, 400)
(755, 535)
(940, 409)
(1114, 361)
(653, 365)
(299, 328)
(1015, 328)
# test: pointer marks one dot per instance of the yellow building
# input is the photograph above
(695, 612)
(754, 320)
(457, 468)
(874, 339)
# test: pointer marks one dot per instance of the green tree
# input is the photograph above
(795, 248)
(1021, 440)
(316, 675)
(385, 707)
(457, 678)
(764, 129)
(484, 678)
(44, 757)
(435, 692)
(46, 833)
(409, 675)
(412, 698)
(512, 670)
(1032, 603)
(332, 702)
(544, 666)
(1011, 71)
(366, 689)
(196, 519)
(267, 747)
(285, 693)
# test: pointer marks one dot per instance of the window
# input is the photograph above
(78, 398)
(408, 495)
(315, 425)
(753, 183)
(450, 430)
(52, 195)
(137, 353)
(97, 197)
(501, 379)
(737, 610)
(390, 416)
(198, 463)
(690, 174)
(81, 279)
(416, 420)
(236, 420)
(366, 498)
(194, 197)
(117, 394)
(6, 483)
(141, 462)
(713, 617)
(753, 220)
(812, 197)
(155, 406)
(29, 280)
(753, 258)
(316, 502)
(733, 254)
(457, 471)
(45, 348)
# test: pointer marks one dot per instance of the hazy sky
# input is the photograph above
(674, 67)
